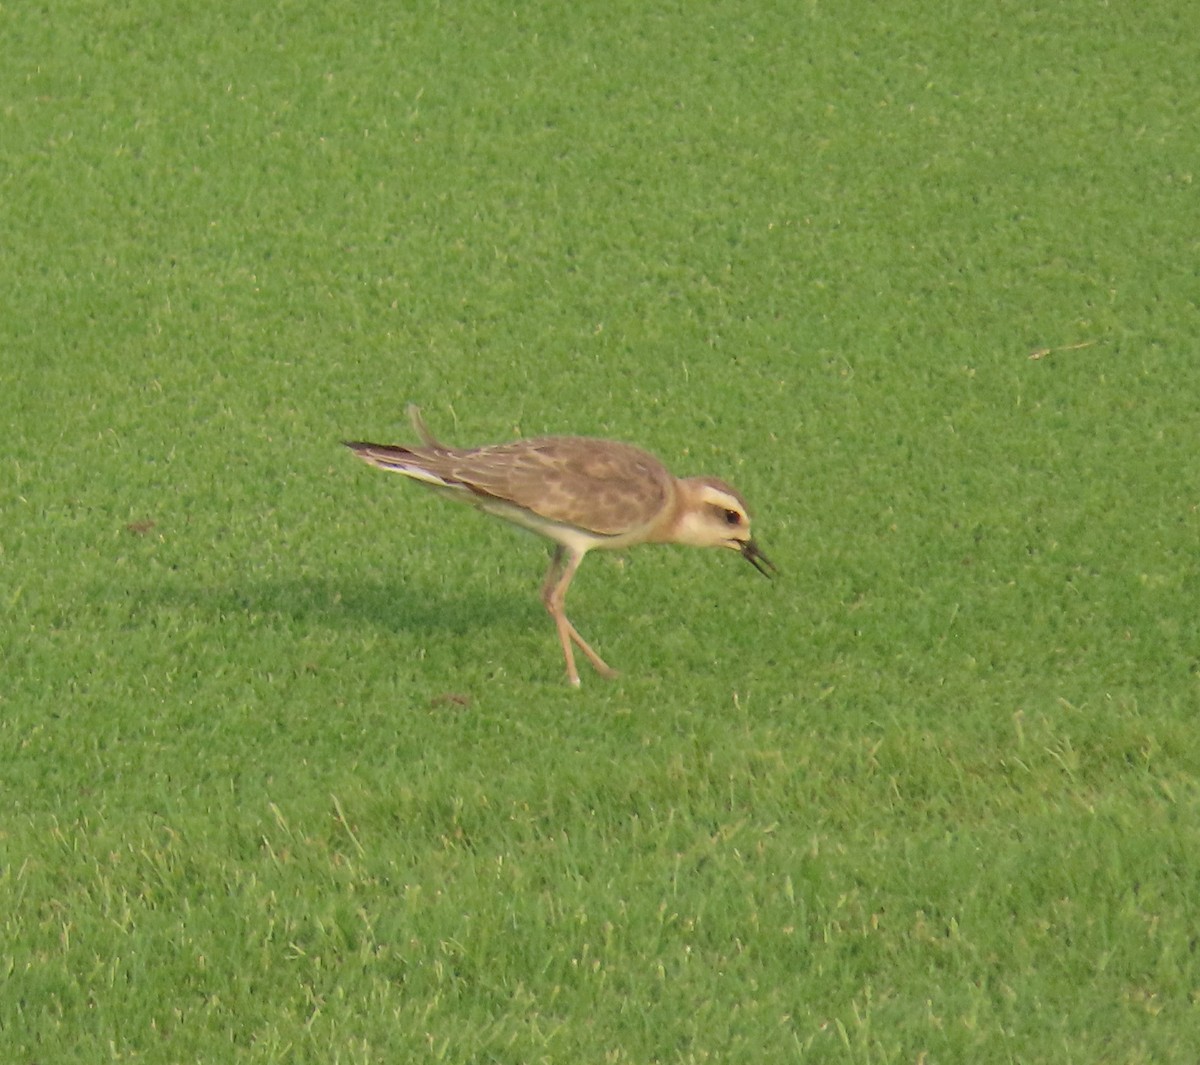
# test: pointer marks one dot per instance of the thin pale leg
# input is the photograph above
(554, 594)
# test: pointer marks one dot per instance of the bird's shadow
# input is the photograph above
(407, 605)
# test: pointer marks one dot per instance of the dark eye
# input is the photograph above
(732, 517)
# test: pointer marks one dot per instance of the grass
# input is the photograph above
(291, 770)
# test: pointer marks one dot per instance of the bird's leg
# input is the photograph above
(553, 589)
(554, 593)
(552, 574)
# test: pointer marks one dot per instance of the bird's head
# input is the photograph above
(714, 514)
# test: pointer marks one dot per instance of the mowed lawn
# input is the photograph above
(291, 772)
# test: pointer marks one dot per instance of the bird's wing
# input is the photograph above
(598, 485)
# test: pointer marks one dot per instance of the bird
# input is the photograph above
(582, 493)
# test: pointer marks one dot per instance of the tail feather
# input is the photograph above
(396, 459)
(421, 429)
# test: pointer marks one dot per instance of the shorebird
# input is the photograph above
(581, 493)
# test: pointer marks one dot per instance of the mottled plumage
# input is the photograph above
(580, 492)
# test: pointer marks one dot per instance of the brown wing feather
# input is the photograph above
(599, 485)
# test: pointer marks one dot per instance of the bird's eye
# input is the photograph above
(732, 517)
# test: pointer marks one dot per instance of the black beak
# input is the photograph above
(756, 558)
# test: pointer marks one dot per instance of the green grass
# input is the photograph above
(291, 770)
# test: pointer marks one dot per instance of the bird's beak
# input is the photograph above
(756, 558)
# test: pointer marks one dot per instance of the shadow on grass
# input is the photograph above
(394, 606)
